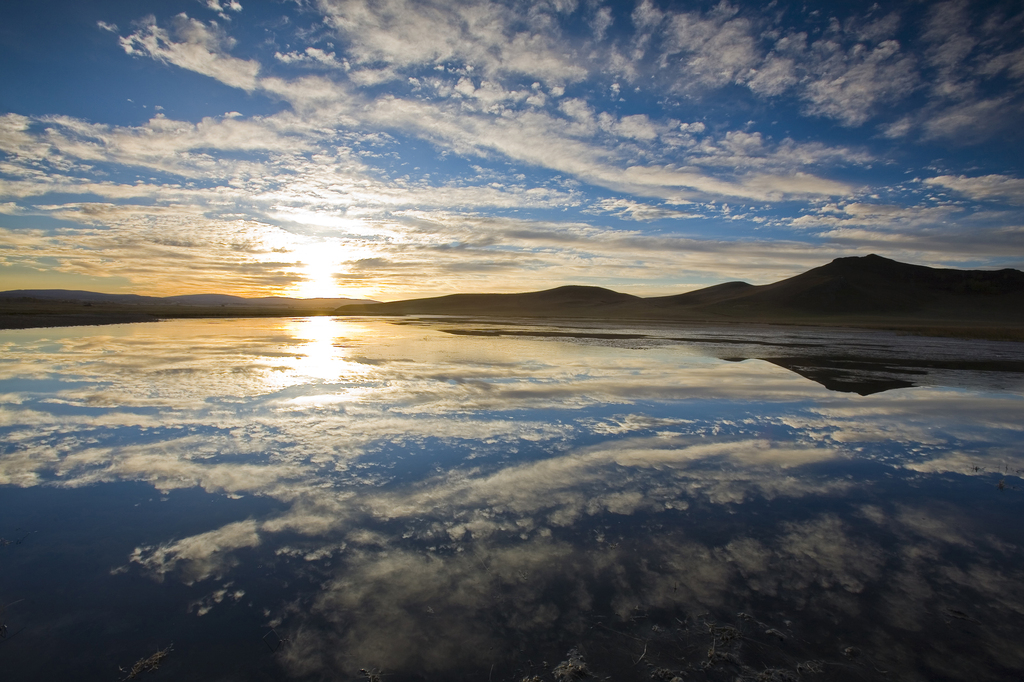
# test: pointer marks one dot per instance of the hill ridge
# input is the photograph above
(864, 291)
(185, 299)
(848, 288)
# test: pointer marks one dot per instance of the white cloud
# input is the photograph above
(601, 22)
(200, 47)
(159, 249)
(714, 50)
(927, 234)
(774, 76)
(971, 120)
(859, 213)
(739, 149)
(222, 8)
(850, 84)
(898, 129)
(983, 187)
(1010, 62)
(312, 55)
(17, 141)
(217, 6)
(540, 139)
(653, 181)
(966, 50)
(924, 230)
(405, 34)
(637, 127)
(632, 210)
(846, 75)
(646, 16)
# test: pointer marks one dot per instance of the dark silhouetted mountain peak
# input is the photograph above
(847, 288)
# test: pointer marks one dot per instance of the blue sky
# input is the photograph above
(394, 149)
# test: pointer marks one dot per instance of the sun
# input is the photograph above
(317, 264)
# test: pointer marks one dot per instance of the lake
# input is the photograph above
(452, 499)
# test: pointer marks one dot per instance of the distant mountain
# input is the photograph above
(188, 299)
(871, 290)
(75, 295)
(26, 308)
(867, 285)
(876, 284)
(868, 291)
(594, 300)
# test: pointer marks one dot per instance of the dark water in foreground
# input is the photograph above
(358, 499)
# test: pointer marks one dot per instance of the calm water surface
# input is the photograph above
(346, 499)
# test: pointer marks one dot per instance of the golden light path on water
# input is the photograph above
(431, 497)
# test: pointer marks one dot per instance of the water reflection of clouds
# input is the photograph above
(174, 366)
(939, 430)
(201, 556)
(250, 387)
(651, 474)
(387, 606)
(437, 471)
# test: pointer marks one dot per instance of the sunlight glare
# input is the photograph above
(317, 263)
(323, 358)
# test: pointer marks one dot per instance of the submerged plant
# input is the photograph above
(145, 665)
(574, 668)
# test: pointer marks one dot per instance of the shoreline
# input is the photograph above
(47, 319)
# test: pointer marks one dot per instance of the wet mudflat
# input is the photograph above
(442, 499)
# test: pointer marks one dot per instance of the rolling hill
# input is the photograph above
(26, 308)
(863, 291)
(868, 291)
(73, 295)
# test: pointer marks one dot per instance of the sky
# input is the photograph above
(396, 148)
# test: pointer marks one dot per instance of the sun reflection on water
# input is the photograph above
(324, 356)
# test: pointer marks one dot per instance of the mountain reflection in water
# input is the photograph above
(446, 499)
